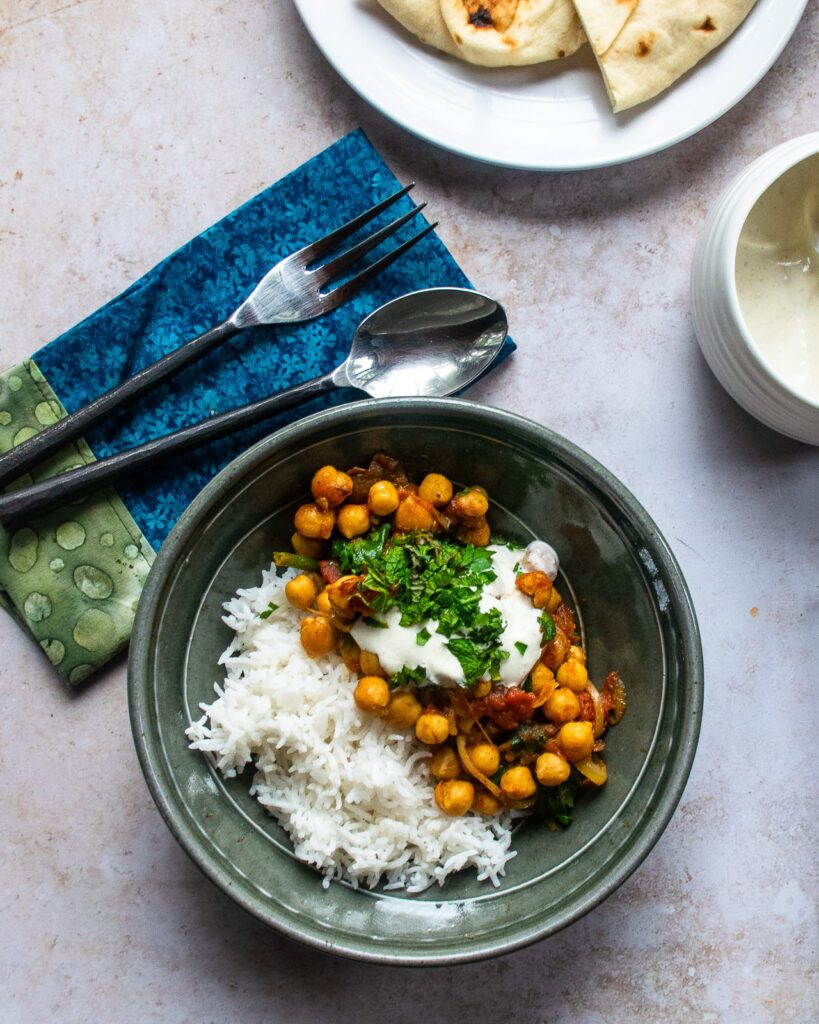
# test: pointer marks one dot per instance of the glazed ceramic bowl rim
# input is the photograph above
(690, 650)
(769, 168)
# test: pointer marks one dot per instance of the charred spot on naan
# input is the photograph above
(707, 26)
(645, 44)
(495, 14)
(481, 18)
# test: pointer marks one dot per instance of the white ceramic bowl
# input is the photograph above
(723, 335)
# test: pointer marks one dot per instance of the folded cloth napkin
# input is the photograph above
(73, 576)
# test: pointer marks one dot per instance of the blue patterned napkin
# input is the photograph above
(193, 289)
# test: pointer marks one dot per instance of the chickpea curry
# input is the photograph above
(454, 634)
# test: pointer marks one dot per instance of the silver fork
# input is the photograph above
(291, 292)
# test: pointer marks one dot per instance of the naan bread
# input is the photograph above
(642, 46)
(424, 19)
(497, 33)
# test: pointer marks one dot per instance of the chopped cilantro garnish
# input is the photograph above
(268, 611)
(376, 623)
(423, 636)
(547, 625)
(407, 676)
(435, 579)
(516, 567)
(520, 647)
(353, 554)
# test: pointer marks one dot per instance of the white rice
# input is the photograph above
(354, 794)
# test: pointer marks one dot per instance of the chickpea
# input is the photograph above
(311, 521)
(576, 740)
(404, 710)
(485, 803)
(572, 673)
(317, 636)
(562, 706)
(472, 504)
(482, 688)
(543, 681)
(323, 603)
(341, 593)
(310, 547)
(445, 764)
(478, 535)
(331, 487)
(454, 796)
(432, 728)
(485, 757)
(353, 520)
(372, 694)
(517, 783)
(554, 653)
(382, 499)
(436, 489)
(536, 585)
(552, 769)
(577, 654)
(415, 514)
(553, 600)
(300, 592)
(370, 664)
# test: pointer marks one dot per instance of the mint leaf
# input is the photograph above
(353, 554)
(407, 676)
(547, 625)
(435, 579)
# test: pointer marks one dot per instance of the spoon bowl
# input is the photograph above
(428, 344)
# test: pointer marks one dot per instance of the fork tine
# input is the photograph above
(338, 295)
(322, 275)
(326, 244)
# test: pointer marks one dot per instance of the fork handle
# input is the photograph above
(58, 489)
(18, 460)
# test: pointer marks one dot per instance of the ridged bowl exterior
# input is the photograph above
(718, 322)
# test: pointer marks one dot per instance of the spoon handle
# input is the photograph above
(58, 489)
(21, 458)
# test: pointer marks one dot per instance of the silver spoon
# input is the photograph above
(431, 343)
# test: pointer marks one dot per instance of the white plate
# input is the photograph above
(552, 116)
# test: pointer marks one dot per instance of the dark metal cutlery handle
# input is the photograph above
(58, 489)
(20, 459)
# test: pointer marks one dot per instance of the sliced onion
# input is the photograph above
(469, 765)
(523, 805)
(593, 769)
(599, 716)
(545, 694)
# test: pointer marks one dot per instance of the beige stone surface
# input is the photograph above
(125, 128)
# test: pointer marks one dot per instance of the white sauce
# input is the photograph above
(777, 277)
(396, 645)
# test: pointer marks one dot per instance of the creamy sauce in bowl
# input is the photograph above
(777, 277)
(396, 646)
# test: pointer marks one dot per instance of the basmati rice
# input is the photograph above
(354, 793)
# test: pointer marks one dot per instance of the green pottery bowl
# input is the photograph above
(636, 617)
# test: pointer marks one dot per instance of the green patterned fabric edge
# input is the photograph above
(72, 577)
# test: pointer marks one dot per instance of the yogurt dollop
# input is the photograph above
(397, 647)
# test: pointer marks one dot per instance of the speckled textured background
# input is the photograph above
(128, 127)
